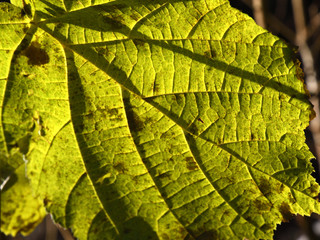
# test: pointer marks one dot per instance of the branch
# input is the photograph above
(311, 77)
(258, 12)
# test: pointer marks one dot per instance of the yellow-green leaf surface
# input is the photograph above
(21, 211)
(13, 27)
(163, 119)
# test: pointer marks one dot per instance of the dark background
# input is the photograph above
(298, 23)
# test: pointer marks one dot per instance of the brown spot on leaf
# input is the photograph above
(267, 227)
(135, 122)
(264, 186)
(165, 236)
(135, 16)
(90, 115)
(291, 198)
(165, 175)
(286, 212)
(20, 220)
(299, 71)
(102, 51)
(314, 189)
(36, 55)
(8, 213)
(156, 87)
(29, 226)
(113, 111)
(114, 22)
(262, 206)
(47, 201)
(209, 54)
(120, 167)
(191, 164)
(312, 114)
(139, 42)
(200, 120)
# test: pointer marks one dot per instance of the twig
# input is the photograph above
(66, 234)
(299, 21)
(314, 25)
(306, 224)
(311, 78)
(51, 230)
(258, 12)
(312, 85)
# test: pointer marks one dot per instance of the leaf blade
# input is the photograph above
(164, 141)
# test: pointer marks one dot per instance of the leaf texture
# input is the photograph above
(13, 26)
(21, 211)
(157, 119)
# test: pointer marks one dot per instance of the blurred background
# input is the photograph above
(298, 23)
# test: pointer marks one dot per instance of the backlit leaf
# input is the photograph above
(156, 119)
(21, 210)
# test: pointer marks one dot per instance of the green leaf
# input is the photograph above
(157, 119)
(13, 26)
(21, 211)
